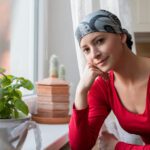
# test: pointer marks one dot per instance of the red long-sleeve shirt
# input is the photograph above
(85, 124)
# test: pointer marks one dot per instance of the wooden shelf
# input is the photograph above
(49, 120)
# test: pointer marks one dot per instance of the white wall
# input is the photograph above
(61, 40)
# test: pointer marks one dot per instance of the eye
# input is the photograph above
(86, 50)
(100, 41)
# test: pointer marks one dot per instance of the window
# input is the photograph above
(5, 34)
(18, 38)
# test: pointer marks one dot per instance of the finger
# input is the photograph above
(104, 75)
(96, 71)
(94, 68)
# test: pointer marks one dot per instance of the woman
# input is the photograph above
(114, 79)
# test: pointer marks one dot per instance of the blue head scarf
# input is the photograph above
(101, 21)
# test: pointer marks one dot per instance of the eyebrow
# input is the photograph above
(92, 41)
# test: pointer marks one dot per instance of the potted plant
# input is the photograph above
(11, 103)
(13, 110)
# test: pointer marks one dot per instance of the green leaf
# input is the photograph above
(21, 114)
(18, 94)
(1, 105)
(22, 82)
(17, 86)
(1, 93)
(5, 81)
(11, 77)
(21, 105)
(16, 114)
(28, 85)
(11, 104)
(7, 92)
(5, 113)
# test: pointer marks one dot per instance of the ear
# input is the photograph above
(123, 38)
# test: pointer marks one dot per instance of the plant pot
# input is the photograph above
(8, 132)
(12, 123)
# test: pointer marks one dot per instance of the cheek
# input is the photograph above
(113, 47)
(117, 54)
(108, 47)
(88, 58)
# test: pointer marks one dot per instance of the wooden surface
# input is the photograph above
(49, 120)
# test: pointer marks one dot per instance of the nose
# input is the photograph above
(95, 53)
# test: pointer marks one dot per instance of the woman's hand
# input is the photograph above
(87, 79)
(89, 75)
(107, 141)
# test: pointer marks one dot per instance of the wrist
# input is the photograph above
(81, 89)
(81, 98)
(116, 145)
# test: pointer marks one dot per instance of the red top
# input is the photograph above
(85, 124)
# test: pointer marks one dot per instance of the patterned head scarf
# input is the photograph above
(101, 21)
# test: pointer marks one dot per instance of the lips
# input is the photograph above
(102, 61)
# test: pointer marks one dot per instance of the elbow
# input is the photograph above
(79, 147)
(80, 144)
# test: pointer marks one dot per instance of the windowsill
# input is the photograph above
(53, 137)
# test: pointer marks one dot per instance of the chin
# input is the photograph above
(105, 69)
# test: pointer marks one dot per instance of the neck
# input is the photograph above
(129, 67)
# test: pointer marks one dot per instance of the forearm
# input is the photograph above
(84, 85)
(81, 98)
(78, 129)
(89, 111)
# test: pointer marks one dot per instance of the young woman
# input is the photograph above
(114, 79)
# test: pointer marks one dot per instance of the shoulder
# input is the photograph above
(145, 71)
(98, 93)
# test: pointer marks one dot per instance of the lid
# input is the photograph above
(52, 81)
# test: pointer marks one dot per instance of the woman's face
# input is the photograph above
(102, 49)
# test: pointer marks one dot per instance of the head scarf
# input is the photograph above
(101, 21)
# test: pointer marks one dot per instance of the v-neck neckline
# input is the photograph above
(121, 104)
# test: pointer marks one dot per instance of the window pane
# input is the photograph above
(17, 38)
(5, 34)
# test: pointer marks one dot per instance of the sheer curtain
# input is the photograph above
(122, 9)
(80, 8)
